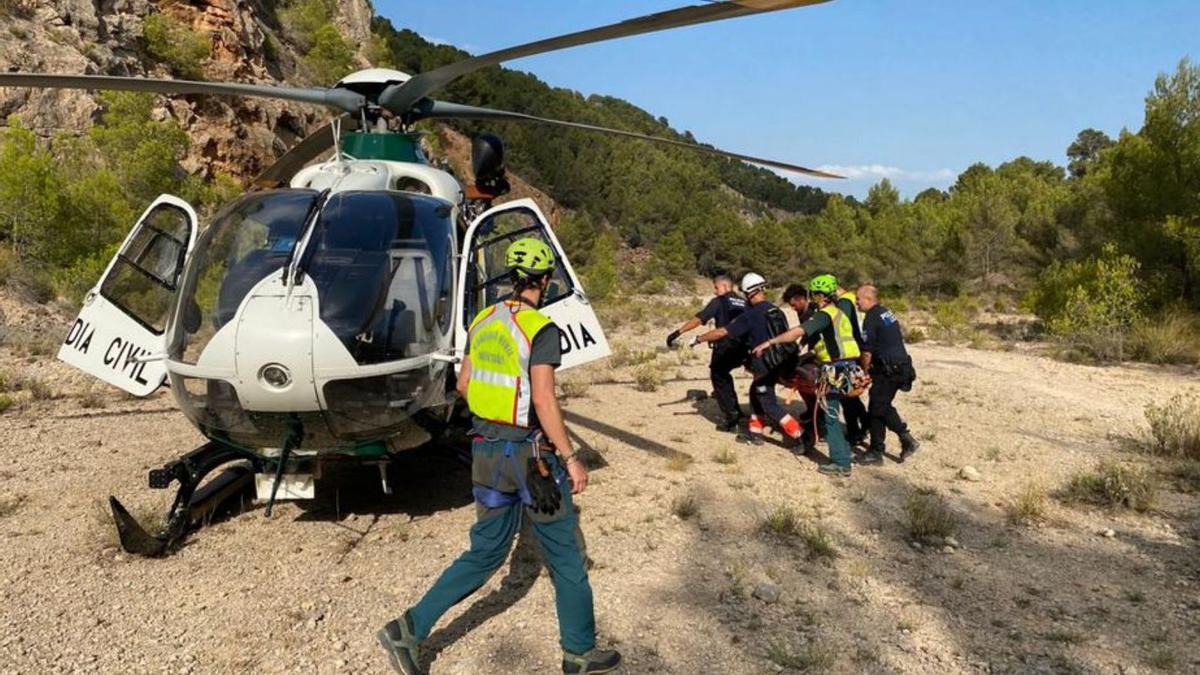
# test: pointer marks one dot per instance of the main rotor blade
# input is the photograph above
(340, 99)
(311, 147)
(399, 98)
(429, 109)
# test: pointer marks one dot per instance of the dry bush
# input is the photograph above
(781, 521)
(647, 378)
(929, 515)
(574, 388)
(812, 656)
(1172, 338)
(6, 402)
(725, 456)
(38, 388)
(1175, 426)
(679, 462)
(10, 504)
(685, 506)
(92, 397)
(818, 542)
(914, 335)
(1187, 475)
(1028, 507)
(1113, 485)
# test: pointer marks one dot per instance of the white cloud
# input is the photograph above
(880, 171)
(440, 41)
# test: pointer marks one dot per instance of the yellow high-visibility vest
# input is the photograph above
(501, 338)
(843, 332)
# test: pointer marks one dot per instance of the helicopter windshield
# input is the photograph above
(382, 263)
(249, 240)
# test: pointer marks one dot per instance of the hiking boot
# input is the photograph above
(402, 645)
(908, 446)
(832, 469)
(593, 661)
(750, 439)
(870, 457)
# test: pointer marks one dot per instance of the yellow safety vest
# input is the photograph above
(501, 338)
(844, 333)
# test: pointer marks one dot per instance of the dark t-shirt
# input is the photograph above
(545, 350)
(882, 336)
(722, 310)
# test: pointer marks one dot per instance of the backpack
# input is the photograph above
(777, 355)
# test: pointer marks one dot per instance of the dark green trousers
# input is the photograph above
(492, 537)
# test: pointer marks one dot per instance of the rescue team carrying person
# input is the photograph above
(759, 323)
(838, 353)
(507, 378)
(891, 370)
(728, 354)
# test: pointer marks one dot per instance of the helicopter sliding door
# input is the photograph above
(483, 281)
(125, 315)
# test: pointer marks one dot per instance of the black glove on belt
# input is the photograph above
(543, 489)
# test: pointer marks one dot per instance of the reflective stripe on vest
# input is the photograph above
(844, 333)
(501, 340)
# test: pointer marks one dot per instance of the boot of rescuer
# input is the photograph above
(908, 446)
(402, 645)
(594, 661)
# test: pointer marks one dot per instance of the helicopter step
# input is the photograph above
(194, 505)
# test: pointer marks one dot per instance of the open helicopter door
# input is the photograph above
(483, 281)
(124, 316)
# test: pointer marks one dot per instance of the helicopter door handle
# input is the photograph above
(446, 357)
(148, 358)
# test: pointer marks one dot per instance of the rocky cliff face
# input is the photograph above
(240, 137)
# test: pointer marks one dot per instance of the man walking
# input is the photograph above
(756, 324)
(507, 378)
(728, 354)
(891, 370)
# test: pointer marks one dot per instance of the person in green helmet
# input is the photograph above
(837, 350)
(522, 464)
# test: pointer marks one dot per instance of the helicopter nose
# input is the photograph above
(274, 354)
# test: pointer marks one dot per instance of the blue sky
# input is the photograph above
(916, 90)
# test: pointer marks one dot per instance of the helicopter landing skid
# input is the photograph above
(194, 505)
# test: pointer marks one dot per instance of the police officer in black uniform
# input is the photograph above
(891, 370)
(727, 354)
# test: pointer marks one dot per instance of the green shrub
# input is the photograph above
(331, 57)
(1175, 426)
(574, 388)
(913, 335)
(725, 456)
(1170, 336)
(1113, 485)
(1092, 304)
(304, 18)
(8, 264)
(180, 47)
(6, 402)
(929, 515)
(813, 656)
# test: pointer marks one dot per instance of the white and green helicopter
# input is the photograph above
(323, 320)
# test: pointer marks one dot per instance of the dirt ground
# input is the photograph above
(305, 590)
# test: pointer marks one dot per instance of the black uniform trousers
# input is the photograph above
(857, 418)
(763, 401)
(883, 415)
(727, 356)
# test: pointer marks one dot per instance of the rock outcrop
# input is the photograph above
(240, 137)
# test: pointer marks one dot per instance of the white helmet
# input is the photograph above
(752, 282)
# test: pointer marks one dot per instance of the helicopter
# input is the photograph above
(321, 316)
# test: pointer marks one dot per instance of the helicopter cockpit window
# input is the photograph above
(382, 265)
(247, 242)
(487, 276)
(143, 279)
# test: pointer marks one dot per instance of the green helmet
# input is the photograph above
(529, 257)
(825, 283)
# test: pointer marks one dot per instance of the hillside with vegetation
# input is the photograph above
(1098, 249)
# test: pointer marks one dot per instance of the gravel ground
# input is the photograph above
(305, 590)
